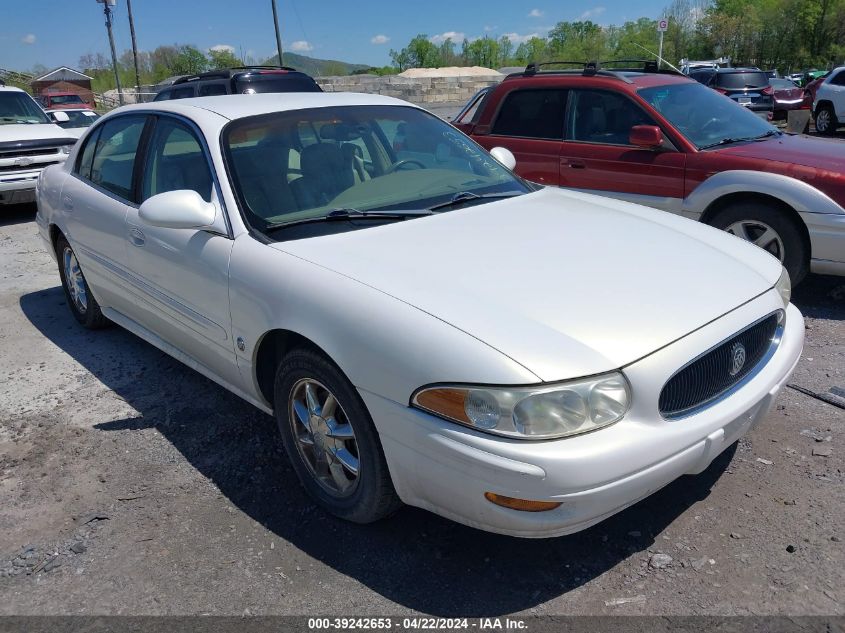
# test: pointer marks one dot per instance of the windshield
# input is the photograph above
(18, 107)
(290, 166)
(63, 99)
(79, 118)
(704, 116)
(742, 80)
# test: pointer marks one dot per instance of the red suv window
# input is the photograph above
(535, 113)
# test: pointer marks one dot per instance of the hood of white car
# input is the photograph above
(566, 284)
(32, 132)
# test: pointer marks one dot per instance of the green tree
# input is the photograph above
(223, 58)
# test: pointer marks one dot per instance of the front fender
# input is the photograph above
(383, 345)
(799, 195)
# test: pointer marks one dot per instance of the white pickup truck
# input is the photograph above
(29, 141)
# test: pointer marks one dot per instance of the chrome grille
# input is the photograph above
(718, 370)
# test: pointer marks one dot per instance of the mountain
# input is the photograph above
(316, 67)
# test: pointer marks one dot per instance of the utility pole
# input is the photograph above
(134, 52)
(278, 34)
(107, 5)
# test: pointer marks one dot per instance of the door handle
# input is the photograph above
(136, 236)
(67, 202)
(577, 164)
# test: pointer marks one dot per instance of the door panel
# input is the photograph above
(596, 155)
(181, 276)
(530, 124)
(94, 204)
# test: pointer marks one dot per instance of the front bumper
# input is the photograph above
(18, 187)
(446, 468)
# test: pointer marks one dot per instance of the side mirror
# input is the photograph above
(646, 136)
(181, 209)
(504, 156)
(60, 117)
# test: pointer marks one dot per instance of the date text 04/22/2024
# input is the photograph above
(416, 623)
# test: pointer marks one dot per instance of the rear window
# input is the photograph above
(276, 82)
(740, 80)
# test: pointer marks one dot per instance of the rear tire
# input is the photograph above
(337, 455)
(826, 122)
(81, 302)
(770, 228)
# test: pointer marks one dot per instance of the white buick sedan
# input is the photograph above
(426, 327)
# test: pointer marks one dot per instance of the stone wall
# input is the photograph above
(420, 90)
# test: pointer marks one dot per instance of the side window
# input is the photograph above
(182, 93)
(838, 79)
(209, 90)
(175, 160)
(114, 156)
(532, 114)
(604, 117)
(86, 156)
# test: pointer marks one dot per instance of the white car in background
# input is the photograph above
(78, 119)
(426, 327)
(829, 103)
(29, 141)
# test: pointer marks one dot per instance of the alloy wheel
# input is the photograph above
(822, 121)
(74, 280)
(760, 234)
(324, 437)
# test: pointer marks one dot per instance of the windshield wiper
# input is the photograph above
(342, 215)
(729, 140)
(468, 196)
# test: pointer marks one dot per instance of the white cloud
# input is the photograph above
(222, 48)
(535, 13)
(28, 39)
(379, 39)
(488, 29)
(301, 46)
(592, 13)
(516, 38)
(455, 36)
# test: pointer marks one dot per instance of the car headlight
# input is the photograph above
(784, 287)
(531, 413)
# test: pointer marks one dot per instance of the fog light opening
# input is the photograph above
(523, 505)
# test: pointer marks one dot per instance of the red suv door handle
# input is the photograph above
(573, 163)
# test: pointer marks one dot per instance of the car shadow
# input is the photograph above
(17, 213)
(414, 558)
(821, 297)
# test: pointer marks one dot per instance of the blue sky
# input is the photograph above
(57, 32)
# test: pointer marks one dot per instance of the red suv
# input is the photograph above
(664, 140)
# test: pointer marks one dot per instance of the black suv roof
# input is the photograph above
(235, 71)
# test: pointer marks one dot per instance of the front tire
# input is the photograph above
(826, 122)
(331, 440)
(769, 228)
(81, 302)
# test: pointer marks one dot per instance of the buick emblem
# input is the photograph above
(23, 161)
(737, 358)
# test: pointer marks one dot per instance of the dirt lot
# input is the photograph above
(131, 485)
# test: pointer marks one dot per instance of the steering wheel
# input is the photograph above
(399, 164)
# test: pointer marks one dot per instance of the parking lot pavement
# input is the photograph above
(129, 484)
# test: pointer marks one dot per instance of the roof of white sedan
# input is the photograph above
(240, 106)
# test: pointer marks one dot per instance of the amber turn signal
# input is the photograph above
(523, 505)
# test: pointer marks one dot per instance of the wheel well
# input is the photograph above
(54, 235)
(823, 103)
(735, 198)
(271, 349)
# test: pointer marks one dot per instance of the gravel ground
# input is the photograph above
(131, 485)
